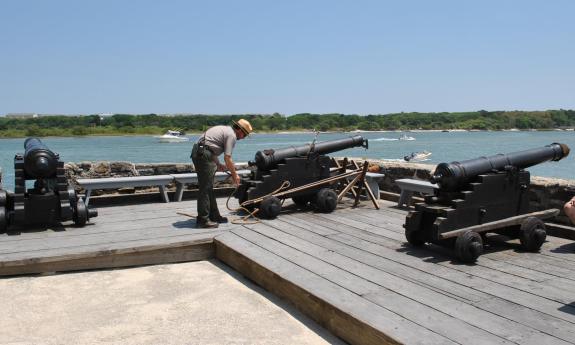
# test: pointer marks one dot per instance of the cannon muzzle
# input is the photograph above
(268, 159)
(39, 160)
(452, 176)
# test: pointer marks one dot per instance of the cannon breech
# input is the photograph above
(51, 200)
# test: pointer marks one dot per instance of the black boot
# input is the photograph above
(205, 223)
(219, 219)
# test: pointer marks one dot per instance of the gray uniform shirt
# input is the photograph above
(220, 139)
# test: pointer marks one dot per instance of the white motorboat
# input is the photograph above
(406, 137)
(418, 156)
(172, 137)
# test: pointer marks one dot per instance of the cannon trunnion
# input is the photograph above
(480, 195)
(293, 167)
(50, 201)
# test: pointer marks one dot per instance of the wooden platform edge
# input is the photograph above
(337, 321)
(105, 259)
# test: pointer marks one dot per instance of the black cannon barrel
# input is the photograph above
(267, 159)
(39, 160)
(451, 176)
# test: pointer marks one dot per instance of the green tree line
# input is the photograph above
(122, 124)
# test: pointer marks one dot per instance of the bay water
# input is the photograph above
(444, 146)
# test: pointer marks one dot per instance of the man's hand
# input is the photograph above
(569, 209)
(231, 167)
(222, 167)
(236, 179)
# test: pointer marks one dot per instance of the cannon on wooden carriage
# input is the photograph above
(51, 199)
(304, 173)
(485, 194)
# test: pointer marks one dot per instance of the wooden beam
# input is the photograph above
(146, 255)
(362, 182)
(348, 187)
(498, 224)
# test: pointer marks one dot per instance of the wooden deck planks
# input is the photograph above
(488, 269)
(443, 267)
(389, 265)
(134, 236)
(383, 260)
(426, 307)
(351, 270)
(565, 331)
(346, 314)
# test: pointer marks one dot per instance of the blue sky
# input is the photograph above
(362, 57)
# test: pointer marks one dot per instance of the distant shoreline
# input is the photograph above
(153, 124)
(284, 132)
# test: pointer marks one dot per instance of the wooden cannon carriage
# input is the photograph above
(51, 200)
(303, 173)
(486, 194)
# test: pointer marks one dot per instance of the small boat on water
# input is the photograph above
(417, 156)
(406, 137)
(172, 137)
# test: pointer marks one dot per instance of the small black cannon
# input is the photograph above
(485, 194)
(50, 201)
(292, 168)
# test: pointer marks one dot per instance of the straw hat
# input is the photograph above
(244, 125)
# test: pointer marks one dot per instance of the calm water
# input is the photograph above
(445, 147)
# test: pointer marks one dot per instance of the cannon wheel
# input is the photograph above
(72, 195)
(326, 200)
(80, 214)
(532, 234)
(412, 237)
(3, 220)
(468, 246)
(270, 207)
(301, 200)
(412, 228)
(3, 212)
(3, 197)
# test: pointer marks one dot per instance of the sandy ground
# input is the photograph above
(191, 303)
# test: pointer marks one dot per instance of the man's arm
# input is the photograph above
(232, 168)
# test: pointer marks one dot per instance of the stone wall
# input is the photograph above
(103, 169)
(123, 169)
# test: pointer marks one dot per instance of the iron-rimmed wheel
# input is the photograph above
(80, 214)
(301, 200)
(3, 220)
(468, 246)
(532, 234)
(3, 198)
(72, 195)
(326, 200)
(270, 207)
(413, 237)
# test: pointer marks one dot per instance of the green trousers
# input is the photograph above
(206, 169)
